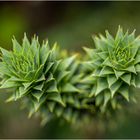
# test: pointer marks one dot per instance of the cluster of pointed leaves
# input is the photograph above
(52, 84)
(114, 68)
(75, 101)
(46, 83)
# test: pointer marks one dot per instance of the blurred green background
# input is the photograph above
(71, 24)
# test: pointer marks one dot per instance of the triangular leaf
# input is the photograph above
(4, 70)
(100, 44)
(103, 55)
(101, 85)
(119, 34)
(131, 69)
(69, 88)
(109, 37)
(106, 71)
(137, 67)
(49, 66)
(25, 43)
(137, 58)
(124, 91)
(39, 72)
(91, 52)
(10, 84)
(16, 46)
(133, 80)
(37, 103)
(88, 65)
(37, 94)
(62, 75)
(51, 106)
(107, 62)
(5, 53)
(39, 86)
(111, 79)
(23, 91)
(135, 47)
(126, 78)
(42, 78)
(44, 52)
(51, 86)
(67, 62)
(118, 73)
(99, 100)
(115, 87)
(54, 96)
(27, 85)
(107, 96)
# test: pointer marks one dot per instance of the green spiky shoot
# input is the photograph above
(115, 64)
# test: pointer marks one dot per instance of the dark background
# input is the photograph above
(71, 24)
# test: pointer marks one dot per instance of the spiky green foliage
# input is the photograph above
(27, 70)
(75, 101)
(114, 66)
(46, 82)
(50, 83)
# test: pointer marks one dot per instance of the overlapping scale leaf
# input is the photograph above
(114, 63)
